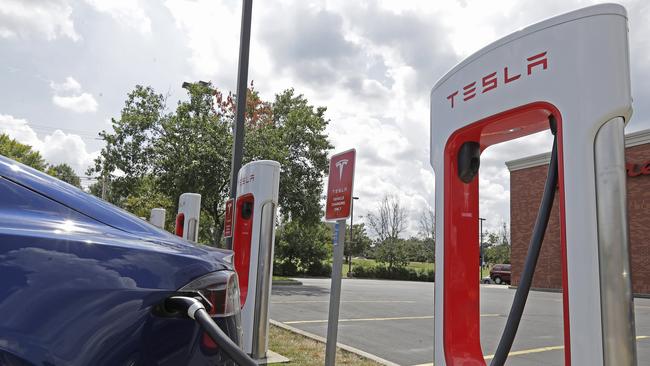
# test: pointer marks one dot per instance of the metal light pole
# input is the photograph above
(242, 82)
(482, 261)
(351, 233)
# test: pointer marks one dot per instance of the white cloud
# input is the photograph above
(81, 103)
(50, 19)
(56, 148)
(69, 85)
(212, 30)
(126, 12)
(78, 101)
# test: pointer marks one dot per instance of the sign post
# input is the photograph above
(339, 198)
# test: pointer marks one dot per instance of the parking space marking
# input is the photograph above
(529, 351)
(372, 319)
(349, 301)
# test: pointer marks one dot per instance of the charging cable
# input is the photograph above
(521, 295)
(196, 310)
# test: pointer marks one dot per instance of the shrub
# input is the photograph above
(319, 269)
(285, 268)
(401, 273)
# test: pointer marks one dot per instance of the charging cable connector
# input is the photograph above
(195, 309)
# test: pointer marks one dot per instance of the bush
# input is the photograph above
(289, 269)
(319, 269)
(402, 273)
(285, 268)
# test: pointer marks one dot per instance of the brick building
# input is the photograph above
(527, 178)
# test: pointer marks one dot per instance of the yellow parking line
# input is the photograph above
(371, 319)
(528, 351)
(350, 301)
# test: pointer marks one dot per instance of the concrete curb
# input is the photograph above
(286, 283)
(339, 345)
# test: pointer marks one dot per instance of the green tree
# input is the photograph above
(193, 155)
(21, 153)
(129, 150)
(427, 232)
(65, 173)
(189, 150)
(301, 147)
(418, 250)
(388, 222)
(302, 248)
(392, 252)
(145, 196)
(359, 244)
(497, 254)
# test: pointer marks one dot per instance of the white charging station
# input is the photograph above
(254, 237)
(157, 217)
(187, 219)
(573, 68)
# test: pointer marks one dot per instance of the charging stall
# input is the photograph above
(187, 219)
(253, 242)
(570, 72)
(157, 217)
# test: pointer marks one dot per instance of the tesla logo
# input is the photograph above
(246, 179)
(340, 164)
(491, 81)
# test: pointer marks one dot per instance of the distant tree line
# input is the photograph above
(24, 154)
(496, 245)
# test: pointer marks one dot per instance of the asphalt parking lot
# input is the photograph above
(394, 319)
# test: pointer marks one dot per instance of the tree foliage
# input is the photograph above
(359, 243)
(21, 153)
(427, 232)
(65, 173)
(302, 248)
(156, 153)
(419, 250)
(389, 219)
(387, 222)
(497, 245)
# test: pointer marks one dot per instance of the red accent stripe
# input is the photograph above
(180, 222)
(461, 308)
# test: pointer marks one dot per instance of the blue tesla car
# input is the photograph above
(83, 282)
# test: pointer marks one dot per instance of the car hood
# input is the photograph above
(121, 224)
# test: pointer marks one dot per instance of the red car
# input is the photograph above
(500, 273)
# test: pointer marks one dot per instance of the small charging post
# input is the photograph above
(339, 200)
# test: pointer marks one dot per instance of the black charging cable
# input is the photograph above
(543, 215)
(196, 310)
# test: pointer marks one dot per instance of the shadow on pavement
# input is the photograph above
(304, 290)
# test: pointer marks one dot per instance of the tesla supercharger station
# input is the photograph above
(573, 68)
(254, 235)
(187, 219)
(157, 217)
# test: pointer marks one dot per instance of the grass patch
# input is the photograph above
(281, 278)
(305, 351)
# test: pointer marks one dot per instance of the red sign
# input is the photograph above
(634, 170)
(227, 226)
(339, 185)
